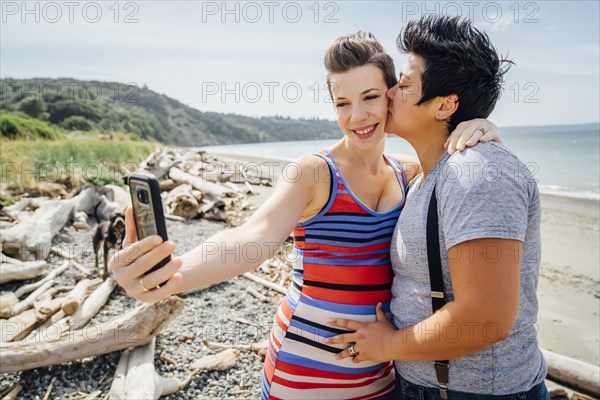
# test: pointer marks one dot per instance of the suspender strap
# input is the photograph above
(438, 297)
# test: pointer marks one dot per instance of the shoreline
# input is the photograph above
(569, 283)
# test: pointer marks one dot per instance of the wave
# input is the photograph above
(562, 191)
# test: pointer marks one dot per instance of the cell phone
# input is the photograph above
(147, 209)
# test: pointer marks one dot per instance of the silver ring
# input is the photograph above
(352, 352)
(141, 284)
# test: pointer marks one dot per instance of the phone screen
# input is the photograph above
(143, 209)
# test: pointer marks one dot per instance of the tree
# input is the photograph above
(33, 107)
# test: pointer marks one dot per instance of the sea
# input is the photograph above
(565, 160)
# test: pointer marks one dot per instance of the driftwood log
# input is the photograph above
(159, 162)
(180, 201)
(51, 275)
(19, 326)
(20, 271)
(135, 328)
(207, 188)
(265, 283)
(136, 377)
(217, 362)
(575, 373)
(27, 302)
(76, 297)
(80, 318)
(8, 299)
(31, 238)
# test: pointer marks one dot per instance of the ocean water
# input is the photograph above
(564, 162)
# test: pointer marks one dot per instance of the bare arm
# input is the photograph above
(224, 255)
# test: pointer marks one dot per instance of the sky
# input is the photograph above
(263, 58)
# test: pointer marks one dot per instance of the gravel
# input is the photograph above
(208, 315)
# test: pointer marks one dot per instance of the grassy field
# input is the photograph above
(71, 161)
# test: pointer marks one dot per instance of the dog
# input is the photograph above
(110, 234)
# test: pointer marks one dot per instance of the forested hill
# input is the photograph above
(60, 105)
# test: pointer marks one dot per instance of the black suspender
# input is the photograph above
(438, 297)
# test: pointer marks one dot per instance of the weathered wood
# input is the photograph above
(27, 302)
(8, 299)
(167, 184)
(259, 348)
(181, 202)
(31, 239)
(207, 188)
(18, 326)
(51, 275)
(13, 393)
(217, 362)
(575, 373)
(81, 317)
(159, 163)
(137, 378)
(213, 210)
(137, 327)
(74, 260)
(22, 271)
(119, 196)
(76, 297)
(257, 295)
(265, 283)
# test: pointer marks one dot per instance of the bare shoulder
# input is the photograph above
(308, 169)
(409, 163)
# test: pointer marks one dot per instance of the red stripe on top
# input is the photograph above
(348, 297)
(348, 275)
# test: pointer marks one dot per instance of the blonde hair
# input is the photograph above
(355, 50)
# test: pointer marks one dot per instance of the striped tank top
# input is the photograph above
(341, 269)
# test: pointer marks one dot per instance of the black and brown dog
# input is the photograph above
(111, 234)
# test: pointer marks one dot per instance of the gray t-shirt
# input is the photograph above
(482, 192)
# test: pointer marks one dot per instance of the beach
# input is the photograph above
(569, 286)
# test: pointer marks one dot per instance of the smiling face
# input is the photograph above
(359, 98)
(406, 117)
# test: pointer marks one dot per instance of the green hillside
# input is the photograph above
(49, 108)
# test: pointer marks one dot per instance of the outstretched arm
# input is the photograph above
(226, 254)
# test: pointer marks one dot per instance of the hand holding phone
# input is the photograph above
(147, 209)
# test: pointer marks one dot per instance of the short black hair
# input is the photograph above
(459, 59)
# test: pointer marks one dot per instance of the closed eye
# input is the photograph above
(341, 104)
(372, 97)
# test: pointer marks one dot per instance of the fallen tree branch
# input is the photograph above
(207, 188)
(21, 271)
(575, 373)
(13, 392)
(76, 297)
(27, 303)
(81, 317)
(135, 328)
(32, 286)
(217, 362)
(259, 348)
(76, 262)
(265, 283)
(31, 238)
(136, 376)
